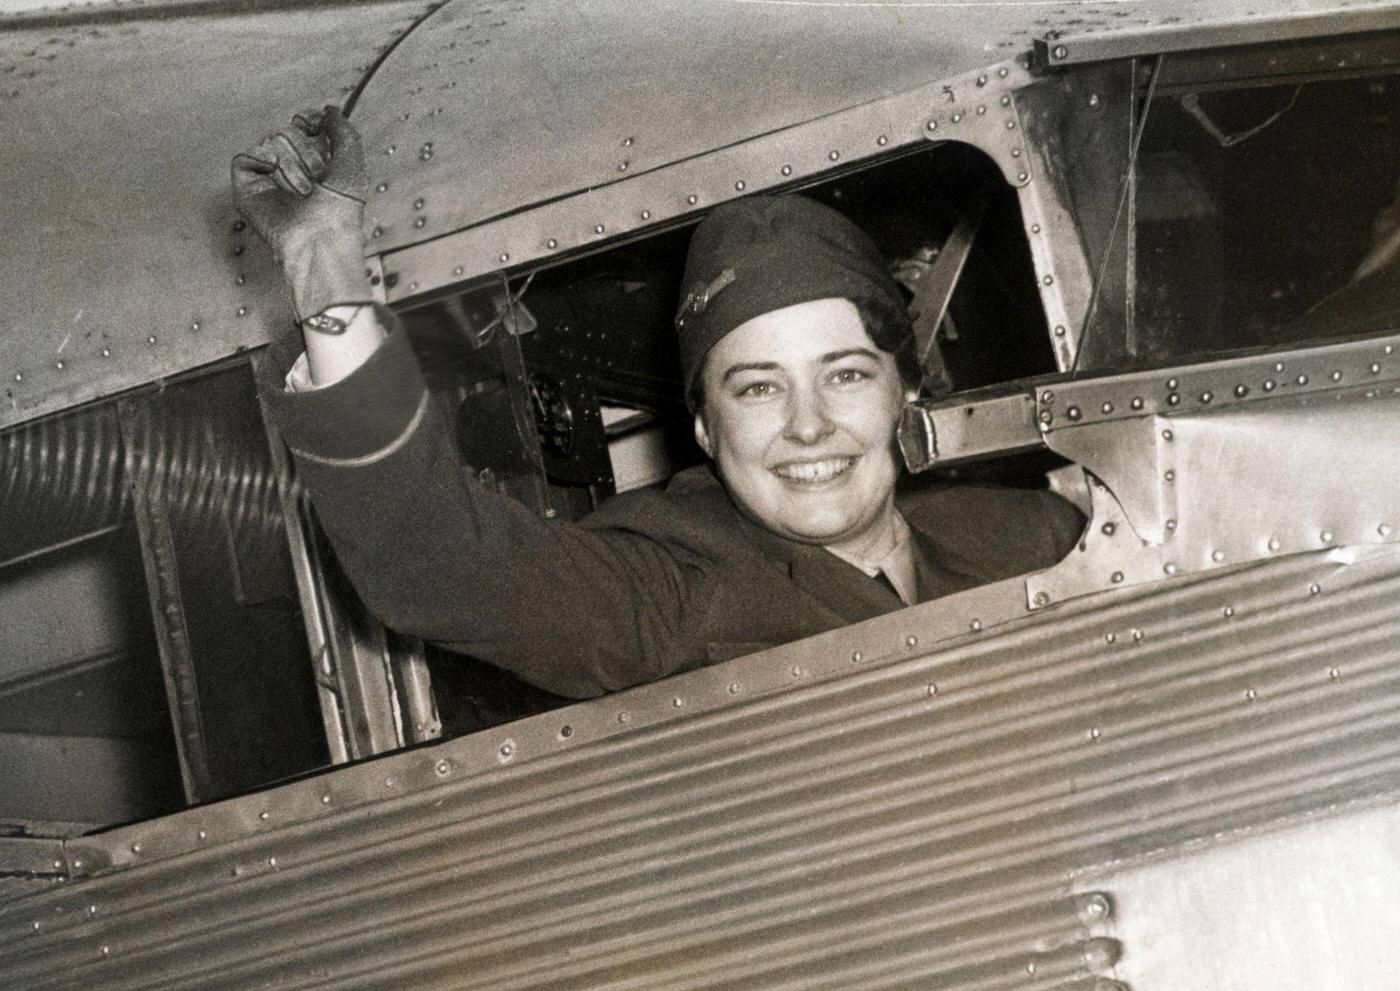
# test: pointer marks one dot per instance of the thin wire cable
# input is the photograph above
(1117, 217)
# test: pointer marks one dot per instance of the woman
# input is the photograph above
(796, 356)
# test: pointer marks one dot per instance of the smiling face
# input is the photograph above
(799, 416)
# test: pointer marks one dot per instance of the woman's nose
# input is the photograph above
(807, 419)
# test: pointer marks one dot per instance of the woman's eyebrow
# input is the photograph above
(831, 356)
(752, 366)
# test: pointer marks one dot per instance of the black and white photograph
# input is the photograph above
(700, 495)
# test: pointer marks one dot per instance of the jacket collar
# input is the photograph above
(843, 588)
(935, 577)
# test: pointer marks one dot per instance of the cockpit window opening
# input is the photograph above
(142, 543)
(590, 363)
(1259, 212)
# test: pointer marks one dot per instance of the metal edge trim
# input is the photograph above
(1071, 49)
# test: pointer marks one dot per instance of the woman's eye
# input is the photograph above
(849, 376)
(758, 390)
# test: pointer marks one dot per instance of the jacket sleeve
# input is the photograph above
(574, 610)
(996, 532)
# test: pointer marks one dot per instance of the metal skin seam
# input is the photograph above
(1059, 259)
(1329, 837)
(1365, 362)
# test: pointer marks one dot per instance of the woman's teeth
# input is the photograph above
(814, 471)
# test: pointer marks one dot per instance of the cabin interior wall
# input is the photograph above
(997, 329)
(84, 731)
(509, 431)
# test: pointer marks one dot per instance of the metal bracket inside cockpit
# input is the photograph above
(933, 283)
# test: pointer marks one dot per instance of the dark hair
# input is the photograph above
(896, 337)
(891, 336)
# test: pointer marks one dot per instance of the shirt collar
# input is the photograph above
(897, 565)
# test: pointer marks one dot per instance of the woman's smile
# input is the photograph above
(811, 473)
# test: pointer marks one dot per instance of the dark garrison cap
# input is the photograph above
(762, 253)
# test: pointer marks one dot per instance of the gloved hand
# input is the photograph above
(303, 190)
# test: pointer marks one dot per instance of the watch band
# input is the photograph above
(324, 323)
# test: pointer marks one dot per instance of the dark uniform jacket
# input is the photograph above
(652, 583)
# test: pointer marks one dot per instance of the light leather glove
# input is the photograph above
(303, 189)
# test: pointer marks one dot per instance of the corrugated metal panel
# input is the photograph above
(912, 819)
(123, 260)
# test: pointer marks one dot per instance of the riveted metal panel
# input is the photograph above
(468, 123)
(467, 120)
(1208, 466)
(1338, 396)
(123, 261)
(853, 811)
(1320, 500)
(1198, 467)
(976, 108)
(486, 157)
